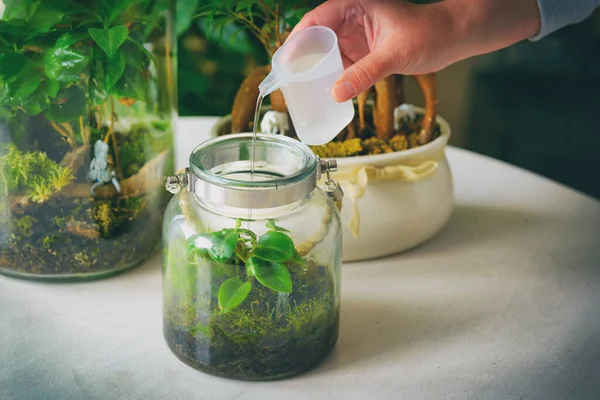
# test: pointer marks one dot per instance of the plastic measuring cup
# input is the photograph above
(305, 68)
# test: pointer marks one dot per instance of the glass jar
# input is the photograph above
(251, 266)
(86, 121)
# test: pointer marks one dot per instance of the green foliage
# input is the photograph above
(33, 174)
(275, 246)
(266, 258)
(233, 292)
(54, 47)
(273, 275)
(267, 20)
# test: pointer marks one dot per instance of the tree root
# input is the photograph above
(383, 109)
(428, 87)
(362, 102)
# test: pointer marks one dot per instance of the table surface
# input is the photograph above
(504, 303)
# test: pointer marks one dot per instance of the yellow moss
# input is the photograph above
(347, 148)
(375, 145)
(399, 143)
(103, 216)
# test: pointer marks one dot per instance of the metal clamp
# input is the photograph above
(177, 182)
(332, 187)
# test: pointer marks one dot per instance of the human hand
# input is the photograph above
(378, 38)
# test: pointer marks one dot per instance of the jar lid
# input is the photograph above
(221, 171)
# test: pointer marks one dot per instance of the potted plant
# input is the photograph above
(86, 109)
(398, 184)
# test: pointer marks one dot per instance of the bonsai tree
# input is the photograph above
(271, 22)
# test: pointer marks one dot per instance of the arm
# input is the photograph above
(557, 14)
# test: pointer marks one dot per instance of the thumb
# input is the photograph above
(362, 75)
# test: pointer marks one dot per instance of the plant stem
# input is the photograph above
(64, 133)
(277, 24)
(267, 8)
(85, 136)
(255, 29)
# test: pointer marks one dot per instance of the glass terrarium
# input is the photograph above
(86, 123)
(252, 259)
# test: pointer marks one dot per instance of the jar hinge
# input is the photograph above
(178, 181)
(332, 187)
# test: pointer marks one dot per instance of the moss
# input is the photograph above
(32, 174)
(23, 226)
(104, 216)
(48, 241)
(368, 144)
(143, 142)
(347, 148)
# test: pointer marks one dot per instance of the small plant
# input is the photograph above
(248, 306)
(267, 259)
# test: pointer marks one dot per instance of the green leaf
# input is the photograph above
(273, 275)
(69, 106)
(220, 245)
(132, 85)
(44, 18)
(11, 64)
(110, 40)
(108, 70)
(115, 9)
(227, 34)
(232, 293)
(24, 85)
(51, 88)
(67, 60)
(223, 245)
(185, 14)
(19, 9)
(275, 246)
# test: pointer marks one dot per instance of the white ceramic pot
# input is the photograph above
(410, 204)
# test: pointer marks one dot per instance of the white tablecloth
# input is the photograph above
(503, 304)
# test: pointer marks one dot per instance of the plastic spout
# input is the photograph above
(269, 84)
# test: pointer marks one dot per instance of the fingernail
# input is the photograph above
(343, 91)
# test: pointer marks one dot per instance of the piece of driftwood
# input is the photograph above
(149, 178)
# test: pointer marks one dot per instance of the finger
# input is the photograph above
(331, 14)
(362, 75)
(347, 62)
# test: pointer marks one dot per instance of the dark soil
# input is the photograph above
(277, 358)
(269, 336)
(76, 238)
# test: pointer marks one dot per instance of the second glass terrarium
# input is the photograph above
(252, 261)
(87, 106)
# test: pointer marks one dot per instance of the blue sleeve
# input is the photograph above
(557, 14)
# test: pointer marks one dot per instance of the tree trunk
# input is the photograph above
(383, 109)
(428, 87)
(362, 101)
